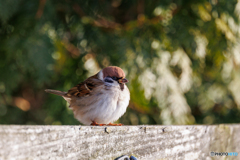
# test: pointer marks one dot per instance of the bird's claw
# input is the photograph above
(110, 124)
(96, 124)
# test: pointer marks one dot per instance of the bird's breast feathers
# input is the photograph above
(102, 105)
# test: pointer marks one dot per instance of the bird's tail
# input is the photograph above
(60, 93)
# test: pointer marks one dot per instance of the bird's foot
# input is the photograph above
(96, 124)
(111, 124)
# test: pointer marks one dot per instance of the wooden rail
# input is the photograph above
(143, 142)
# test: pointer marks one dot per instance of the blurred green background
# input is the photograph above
(181, 57)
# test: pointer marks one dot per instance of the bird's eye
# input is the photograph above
(115, 78)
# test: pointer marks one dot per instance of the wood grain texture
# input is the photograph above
(143, 142)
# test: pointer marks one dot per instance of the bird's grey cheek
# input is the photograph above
(108, 81)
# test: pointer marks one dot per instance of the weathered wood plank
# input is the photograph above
(144, 142)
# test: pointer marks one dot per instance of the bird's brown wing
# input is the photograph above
(86, 87)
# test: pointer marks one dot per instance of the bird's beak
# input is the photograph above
(123, 80)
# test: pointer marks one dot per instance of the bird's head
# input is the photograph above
(113, 76)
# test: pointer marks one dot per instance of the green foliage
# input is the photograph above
(181, 57)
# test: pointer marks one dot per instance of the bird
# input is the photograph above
(99, 100)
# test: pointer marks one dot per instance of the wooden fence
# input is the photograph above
(111, 142)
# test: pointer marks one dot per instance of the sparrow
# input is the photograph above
(99, 100)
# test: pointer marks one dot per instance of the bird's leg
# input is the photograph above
(96, 124)
(111, 124)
